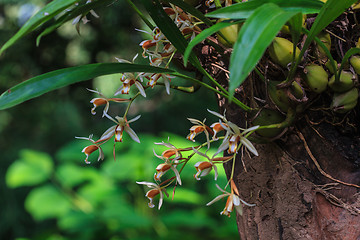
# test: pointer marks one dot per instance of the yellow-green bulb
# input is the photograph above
(281, 51)
(316, 78)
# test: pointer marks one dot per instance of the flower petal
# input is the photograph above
(134, 119)
(149, 184)
(216, 172)
(216, 114)
(167, 85)
(178, 179)
(222, 147)
(234, 128)
(161, 199)
(249, 145)
(132, 134)
(239, 209)
(247, 204)
(200, 153)
(195, 121)
(141, 88)
(250, 129)
(217, 198)
(107, 134)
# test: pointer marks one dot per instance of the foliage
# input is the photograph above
(267, 40)
(90, 203)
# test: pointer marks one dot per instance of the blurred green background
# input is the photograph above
(47, 191)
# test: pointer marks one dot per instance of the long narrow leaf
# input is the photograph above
(328, 13)
(346, 57)
(255, 36)
(326, 50)
(245, 9)
(69, 15)
(45, 14)
(47, 82)
(295, 24)
(204, 34)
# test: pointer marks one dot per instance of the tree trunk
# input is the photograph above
(294, 200)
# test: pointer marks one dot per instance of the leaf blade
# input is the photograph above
(245, 9)
(45, 14)
(203, 35)
(329, 12)
(47, 82)
(68, 15)
(255, 36)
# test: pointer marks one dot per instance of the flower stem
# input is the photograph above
(224, 94)
(128, 107)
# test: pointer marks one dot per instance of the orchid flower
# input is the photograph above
(155, 190)
(203, 168)
(233, 200)
(129, 79)
(233, 136)
(162, 168)
(170, 152)
(118, 129)
(83, 17)
(91, 148)
(166, 77)
(102, 100)
(197, 128)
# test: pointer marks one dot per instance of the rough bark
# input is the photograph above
(293, 199)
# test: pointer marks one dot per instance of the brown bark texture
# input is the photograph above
(294, 200)
(306, 183)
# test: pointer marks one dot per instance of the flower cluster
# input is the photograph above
(121, 125)
(159, 51)
(234, 138)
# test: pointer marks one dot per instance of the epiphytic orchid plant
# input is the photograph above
(244, 31)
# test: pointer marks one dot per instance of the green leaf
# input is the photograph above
(189, 220)
(75, 221)
(204, 34)
(346, 57)
(69, 15)
(47, 82)
(296, 24)
(246, 9)
(255, 36)
(329, 12)
(187, 196)
(168, 28)
(44, 15)
(71, 175)
(326, 50)
(47, 202)
(32, 168)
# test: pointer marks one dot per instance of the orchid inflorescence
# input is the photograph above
(159, 51)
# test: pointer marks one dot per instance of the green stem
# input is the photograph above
(128, 107)
(302, 52)
(236, 101)
(218, 4)
(290, 118)
(147, 22)
(260, 74)
(203, 71)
